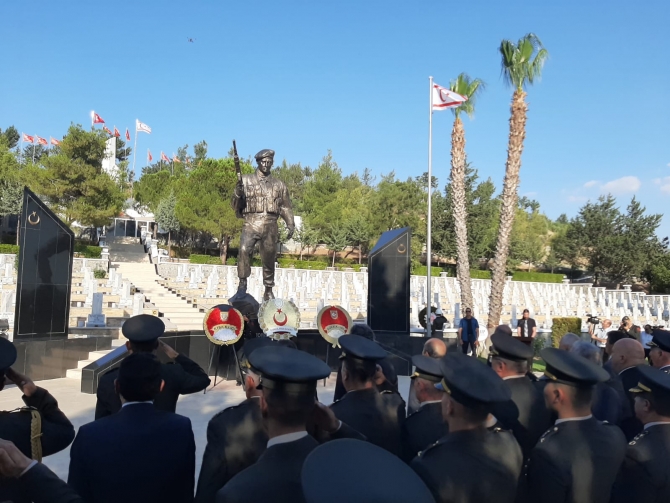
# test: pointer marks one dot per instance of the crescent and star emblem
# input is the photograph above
(278, 322)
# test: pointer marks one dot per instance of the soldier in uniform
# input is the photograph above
(509, 359)
(261, 199)
(645, 474)
(39, 429)
(182, 375)
(236, 437)
(578, 458)
(659, 354)
(288, 381)
(378, 416)
(472, 463)
(425, 426)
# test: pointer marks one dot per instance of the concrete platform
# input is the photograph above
(199, 407)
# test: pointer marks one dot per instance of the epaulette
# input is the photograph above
(548, 432)
(638, 437)
(386, 392)
(25, 408)
(421, 453)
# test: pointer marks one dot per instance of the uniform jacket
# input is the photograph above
(270, 196)
(41, 485)
(235, 440)
(138, 455)
(422, 429)
(533, 417)
(645, 474)
(472, 467)
(629, 424)
(575, 462)
(182, 377)
(378, 416)
(57, 434)
(274, 477)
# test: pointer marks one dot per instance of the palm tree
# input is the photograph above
(521, 65)
(470, 88)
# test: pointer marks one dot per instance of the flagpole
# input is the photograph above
(21, 158)
(33, 152)
(429, 312)
(135, 150)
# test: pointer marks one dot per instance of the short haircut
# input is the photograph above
(144, 347)
(363, 330)
(520, 367)
(526, 311)
(289, 409)
(588, 351)
(581, 396)
(615, 336)
(139, 377)
(660, 406)
(360, 371)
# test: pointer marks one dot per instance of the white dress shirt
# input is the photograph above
(286, 438)
(584, 418)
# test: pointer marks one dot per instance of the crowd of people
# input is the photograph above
(471, 431)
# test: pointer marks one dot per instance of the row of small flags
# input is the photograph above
(140, 127)
(165, 158)
(39, 140)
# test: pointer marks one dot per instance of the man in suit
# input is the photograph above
(236, 437)
(32, 480)
(182, 376)
(627, 354)
(425, 426)
(659, 354)
(645, 474)
(38, 429)
(509, 359)
(378, 416)
(472, 463)
(140, 454)
(288, 380)
(577, 460)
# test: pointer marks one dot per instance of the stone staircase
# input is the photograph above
(92, 357)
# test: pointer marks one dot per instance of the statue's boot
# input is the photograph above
(268, 293)
(242, 287)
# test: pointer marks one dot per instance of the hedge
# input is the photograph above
(562, 326)
(479, 274)
(540, 277)
(11, 249)
(204, 259)
(87, 251)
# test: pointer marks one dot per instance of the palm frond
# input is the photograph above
(522, 63)
(468, 87)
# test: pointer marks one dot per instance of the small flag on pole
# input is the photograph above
(175, 158)
(443, 98)
(41, 141)
(106, 130)
(141, 126)
(149, 156)
(54, 141)
(28, 138)
(97, 119)
(127, 134)
(116, 132)
(164, 157)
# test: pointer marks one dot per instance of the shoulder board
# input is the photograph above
(413, 414)
(386, 392)
(228, 409)
(20, 409)
(547, 433)
(423, 452)
(638, 437)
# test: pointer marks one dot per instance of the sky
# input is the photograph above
(304, 77)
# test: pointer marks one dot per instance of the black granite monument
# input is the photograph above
(45, 273)
(388, 282)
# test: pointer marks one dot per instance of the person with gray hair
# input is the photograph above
(606, 405)
(567, 341)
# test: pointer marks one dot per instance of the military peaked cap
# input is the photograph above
(661, 340)
(143, 328)
(654, 381)
(360, 348)
(427, 368)
(510, 348)
(288, 369)
(572, 369)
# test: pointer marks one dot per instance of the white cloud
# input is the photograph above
(623, 185)
(656, 181)
(664, 184)
(577, 199)
(590, 184)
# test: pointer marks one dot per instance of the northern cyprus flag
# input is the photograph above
(141, 126)
(443, 98)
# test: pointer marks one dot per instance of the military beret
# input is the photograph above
(359, 472)
(143, 328)
(266, 152)
(358, 347)
(427, 368)
(7, 354)
(572, 369)
(471, 382)
(510, 348)
(288, 369)
(654, 381)
(661, 340)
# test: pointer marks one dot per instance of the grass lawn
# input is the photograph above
(538, 365)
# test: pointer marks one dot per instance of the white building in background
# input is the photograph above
(109, 160)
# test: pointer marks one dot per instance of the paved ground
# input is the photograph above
(199, 407)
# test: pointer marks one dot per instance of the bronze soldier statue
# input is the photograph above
(260, 199)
